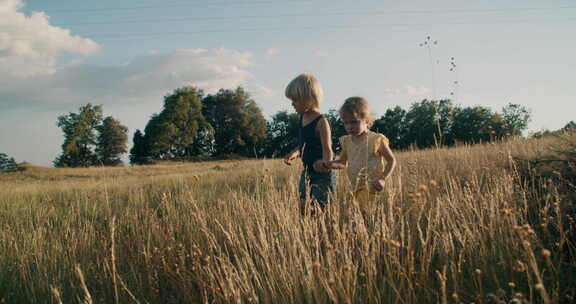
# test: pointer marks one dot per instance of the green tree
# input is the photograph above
(476, 124)
(393, 125)
(237, 121)
(282, 135)
(171, 134)
(79, 137)
(112, 140)
(139, 152)
(337, 128)
(203, 144)
(8, 164)
(570, 126)
(428, 122)
(158, 137)
(515, 118)
(445, 120)
(183, 109)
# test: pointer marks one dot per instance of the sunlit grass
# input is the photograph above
(455, 224)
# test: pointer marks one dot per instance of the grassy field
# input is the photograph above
(458, 225)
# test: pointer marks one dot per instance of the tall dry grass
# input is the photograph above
(455, 225)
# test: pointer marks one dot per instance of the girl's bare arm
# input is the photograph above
(341, 161)
(388, 156)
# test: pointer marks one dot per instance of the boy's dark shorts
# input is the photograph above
(320, 186)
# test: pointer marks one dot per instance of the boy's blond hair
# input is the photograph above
(358, 107)
(305, 88)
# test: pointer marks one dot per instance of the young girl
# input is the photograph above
(365, 154)
(314, 142)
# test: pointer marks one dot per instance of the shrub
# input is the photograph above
(8, 164)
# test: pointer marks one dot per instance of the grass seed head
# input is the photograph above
(455, 297)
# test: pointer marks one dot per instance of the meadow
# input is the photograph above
(480, 224)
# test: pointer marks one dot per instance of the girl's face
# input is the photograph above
(354, 125)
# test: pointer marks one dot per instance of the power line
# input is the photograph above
(124, 36)
(305, 28)
(372, 13)
(188, 4)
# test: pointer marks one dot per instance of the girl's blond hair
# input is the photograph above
(358, 107)
(305, 88)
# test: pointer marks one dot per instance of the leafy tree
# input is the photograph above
(158, 137)
(183, 110)
(475, 124)
(337, 128)
(8, 164)
(282, 135)
(203, 144)
(496, 127)
(79, 137)
(445, 120)
(139, 153)
(111, 143)
(428, 122)
(171, 134)
(393, 125)
(420, 124)
(237, 121)
(570, 126)
(515, 118)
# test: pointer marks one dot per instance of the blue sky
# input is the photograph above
(58, 55)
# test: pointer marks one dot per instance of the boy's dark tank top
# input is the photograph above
(309, 142)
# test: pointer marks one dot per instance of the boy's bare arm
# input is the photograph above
(326, 139)
(325, 134)
(291, 156)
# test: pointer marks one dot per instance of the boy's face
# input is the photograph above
(354, 125)
(299, 106)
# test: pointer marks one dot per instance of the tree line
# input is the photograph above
(227, 124)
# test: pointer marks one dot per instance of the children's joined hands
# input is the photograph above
(378, 185)
(335, 164)
(289, 158)
(321, 166)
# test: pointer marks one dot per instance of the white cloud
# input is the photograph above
(146, 77)
(407, 90)
(207, 69)
(29, 45)
(258, 91)
(416, 91)
(10, 5)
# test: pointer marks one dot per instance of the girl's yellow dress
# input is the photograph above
(364, 163)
